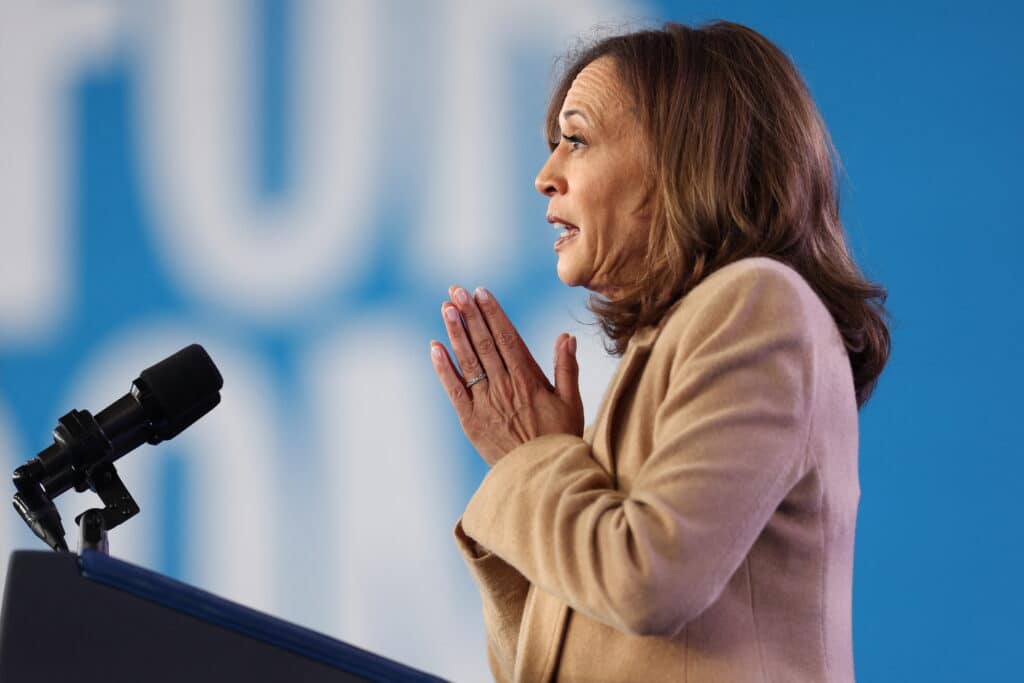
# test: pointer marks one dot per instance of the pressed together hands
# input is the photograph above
(515, 402)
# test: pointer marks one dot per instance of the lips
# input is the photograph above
(565, 238)
(569, 231)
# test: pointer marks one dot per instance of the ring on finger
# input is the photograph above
(477, 378)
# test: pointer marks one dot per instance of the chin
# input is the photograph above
(578, 277)
(569, 275)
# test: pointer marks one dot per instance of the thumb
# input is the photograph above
(567, 371)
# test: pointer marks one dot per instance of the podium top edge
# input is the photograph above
(182, 597)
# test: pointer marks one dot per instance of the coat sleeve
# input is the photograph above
(729, 441)
(503, 592)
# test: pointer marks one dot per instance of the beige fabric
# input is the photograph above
(703, 528)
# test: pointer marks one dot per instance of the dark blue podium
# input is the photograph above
(93, 618)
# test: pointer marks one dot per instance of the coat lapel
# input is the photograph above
(541, 642)
(633, 362)
(545, 617)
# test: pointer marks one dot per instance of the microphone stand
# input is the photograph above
(164, 400)
(92, 532)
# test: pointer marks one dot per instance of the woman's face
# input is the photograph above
(596, 181)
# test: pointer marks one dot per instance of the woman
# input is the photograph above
(702, 529)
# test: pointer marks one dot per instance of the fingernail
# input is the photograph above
(572, 345)
(451, 313)
(461, 295)
(483, 294)
(435, 351)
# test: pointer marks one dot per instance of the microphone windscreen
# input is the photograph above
(179, 390)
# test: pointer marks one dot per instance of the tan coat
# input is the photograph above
(703, 528)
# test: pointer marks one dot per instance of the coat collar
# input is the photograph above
(633, 362)
(645, 337)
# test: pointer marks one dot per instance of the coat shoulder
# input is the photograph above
(765, 291)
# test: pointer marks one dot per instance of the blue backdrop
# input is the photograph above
(295, 185)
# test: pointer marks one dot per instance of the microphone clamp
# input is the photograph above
(79, 458)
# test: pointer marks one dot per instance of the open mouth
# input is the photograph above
(569, 233)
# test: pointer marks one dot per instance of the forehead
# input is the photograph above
(597, 90)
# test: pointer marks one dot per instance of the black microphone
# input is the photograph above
(163, 401)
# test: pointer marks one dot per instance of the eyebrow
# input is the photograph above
(575, 112)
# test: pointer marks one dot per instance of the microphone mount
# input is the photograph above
(78, 459)
(163, 401)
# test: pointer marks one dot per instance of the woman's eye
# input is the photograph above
(575, 141)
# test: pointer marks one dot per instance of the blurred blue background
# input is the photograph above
(294, 185)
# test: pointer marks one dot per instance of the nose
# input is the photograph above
(550, 180)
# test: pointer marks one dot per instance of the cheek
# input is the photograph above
(628, 231)
(615, 189)
(612, 197)
(620, 218)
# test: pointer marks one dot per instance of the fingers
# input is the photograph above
(517, 358)
(476, 335)
(567, 370)
(465, 354)
(450, 380)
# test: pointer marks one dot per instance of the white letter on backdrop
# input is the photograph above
(223, 244)
(11, 457)
(43, 46)
(473, 223)
(391, 464)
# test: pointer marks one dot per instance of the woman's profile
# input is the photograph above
(701, 528)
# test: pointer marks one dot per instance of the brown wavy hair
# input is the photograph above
(743, 166)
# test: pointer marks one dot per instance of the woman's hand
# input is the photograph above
(514, 402)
